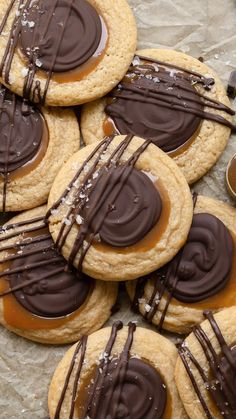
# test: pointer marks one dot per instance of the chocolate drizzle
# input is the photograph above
(158, 101)
(220, 382)
(40, 279)
(200, 270)
(54, 35)
(123, 386)
(21, 127)
(97, 201)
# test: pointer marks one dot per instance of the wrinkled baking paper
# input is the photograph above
(199, 28)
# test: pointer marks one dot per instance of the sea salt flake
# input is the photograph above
(79, 219)
(147, 308)
(38, 63)
(136, 61)
(24, 71)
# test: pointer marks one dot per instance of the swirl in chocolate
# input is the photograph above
(40, 35)
(56, 294)
(134, 206)
(158, 101)
(142, 392)
(21, 132)
(205, 262)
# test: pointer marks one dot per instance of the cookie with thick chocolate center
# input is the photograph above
(35, 142)
(65, 53)
(42, 297)
(172, 99)
(118, 372)
(206, 368)
(119, 209)
(200, 277)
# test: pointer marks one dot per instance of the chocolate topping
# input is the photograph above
(142, 393)
(206, 261)
(138, 108)
(200, 270)
(123, 387)
(134, 206)
(21, 132)
(42, 27)
(21, 127)
(221, 381)
(99, 214)
(39, 277)
(231, 89)
(158, 101)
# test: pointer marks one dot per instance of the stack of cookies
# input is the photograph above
(116, 209)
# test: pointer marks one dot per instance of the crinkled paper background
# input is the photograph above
(204, 28)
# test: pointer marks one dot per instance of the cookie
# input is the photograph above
(205, 369)
(119, 208)
(200, 277)
(64, 53)
(36, 141)
(117, 372)
(42, 298)
(174, 100)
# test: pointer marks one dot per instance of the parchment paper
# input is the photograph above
(204, 28)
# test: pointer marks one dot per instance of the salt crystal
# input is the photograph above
(136, 61)
(38, 63)
(147, 308)
(79, 219)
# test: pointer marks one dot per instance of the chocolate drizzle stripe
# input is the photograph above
(20, 224)
(158, 101)
(221, 387)
(28, 267)
(155, 99)
(77, 376)
(4, 21)
(26, 242)
(81, 347)
(31, 282)
(206, 80)
(103, 366)
(184, 354)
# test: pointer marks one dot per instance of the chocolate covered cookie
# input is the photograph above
(41, 297)
(200, 277)
(35, 142)
(206, 368)
(65, 52)
(119, 208)
(172, 99)
(117, 372)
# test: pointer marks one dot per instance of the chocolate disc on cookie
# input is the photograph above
(200, 277)
(42, 297)
(119, 209)
(117, 372)
(65, 52)
(206, 368)
(35, 142)
(171, 99)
